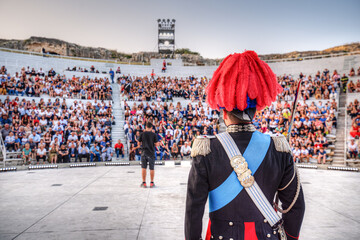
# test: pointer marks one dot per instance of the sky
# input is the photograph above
(214, 28)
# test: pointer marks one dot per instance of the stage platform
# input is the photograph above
(107, 203)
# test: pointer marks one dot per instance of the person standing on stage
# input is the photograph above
(112, 75)
(242, 170)
(149, 141)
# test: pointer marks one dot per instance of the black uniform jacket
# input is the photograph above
(210, 171)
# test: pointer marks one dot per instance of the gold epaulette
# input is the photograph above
(201, 146)
(281, 144)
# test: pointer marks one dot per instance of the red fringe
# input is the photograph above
(239, 76)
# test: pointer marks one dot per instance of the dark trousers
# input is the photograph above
(38, 158)
(86, 155)
(118, 152)
(63, 159)
(10, 146)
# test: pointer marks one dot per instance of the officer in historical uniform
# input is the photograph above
(241, 171)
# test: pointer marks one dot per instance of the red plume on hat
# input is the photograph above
(240, 80)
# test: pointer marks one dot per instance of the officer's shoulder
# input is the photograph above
(280, 143)
(201, 145)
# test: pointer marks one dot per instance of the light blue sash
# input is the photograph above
(231, 187)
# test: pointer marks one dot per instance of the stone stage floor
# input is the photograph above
(59, 204)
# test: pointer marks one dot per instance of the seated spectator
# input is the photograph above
(35, 137)
(5, 131)
(351, 87)
(321, 156)
(73, 153)
(41, 154)
(159, 152)
(355, 127)
(352, 72)
(27, 154)
(107, 152)
(119, 149)
(297, 154)
(132, 152)
(185, 150)
(353, 149)
(5, 120)
(174, 151)
(53, 153)
(95, 152)
(63, 154)
(137, 148)
(86, 138)
(10, 142)
(33, 147)
(166, 152)
(304, 154)
(83, 152)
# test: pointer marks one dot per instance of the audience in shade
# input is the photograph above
(311, 124)
(175, 125)
(162, 89)
(63, 130)
(33, 83)
(354, 88)
(353, 111)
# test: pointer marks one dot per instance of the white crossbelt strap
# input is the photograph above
(255, 193)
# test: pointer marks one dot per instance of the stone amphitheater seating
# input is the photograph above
(14, 62)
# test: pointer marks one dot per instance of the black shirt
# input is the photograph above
(148, 140)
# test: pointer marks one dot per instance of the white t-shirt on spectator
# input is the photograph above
(9, 139)
(85, 137)
(72, 138)
(297, 152)
(352, 147)
(43, 122)
(304, 151)
(98, 138)
(169, 131)
(41, 152)
(185, 150)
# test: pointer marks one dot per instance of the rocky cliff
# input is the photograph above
(338, 49)
(56, 46)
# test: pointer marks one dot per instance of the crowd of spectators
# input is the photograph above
(312, 123)
(353, 73)
(314, 120)
(320, 86)
(91, 70)
(175, 125)
(55, 131)
(162, 89)
(354, 87)
(85, 70)
(37, 83)
(353, 146)
(353, 110)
